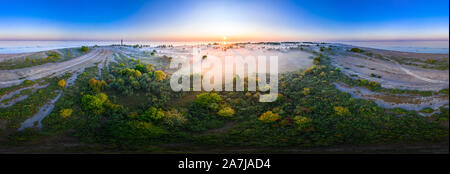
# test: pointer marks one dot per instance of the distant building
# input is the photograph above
(121, 42)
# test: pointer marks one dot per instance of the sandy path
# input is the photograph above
(390, 101)
(17, 76)
(393, 75)
(418, 76)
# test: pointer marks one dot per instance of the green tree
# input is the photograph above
(84, 49)
(94, 103)
(152, 114)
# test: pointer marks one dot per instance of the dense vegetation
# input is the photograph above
(133, 107)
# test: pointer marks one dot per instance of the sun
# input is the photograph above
(224, 38)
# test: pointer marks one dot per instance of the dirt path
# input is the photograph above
(390, 74)
(405, 101)
(418, 76)
(17, 76)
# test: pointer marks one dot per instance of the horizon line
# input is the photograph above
(149, 40)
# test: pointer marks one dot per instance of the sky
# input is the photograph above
(214, 20)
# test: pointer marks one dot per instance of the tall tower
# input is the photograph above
(121, 42)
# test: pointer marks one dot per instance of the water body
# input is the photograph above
(406, 46)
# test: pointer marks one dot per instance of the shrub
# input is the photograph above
(159, 75)
(208, 100)
(130, 72)
(62, 83)
(226, 112)
(341, 111)
(302, 122)
(65, 112)
(94, 103)
(84, 49)
(144, 68)
(306, 91)
(97, 85)
(152, 114)
(174, 118)
(269, 117)
(427, 110)
(356, 50)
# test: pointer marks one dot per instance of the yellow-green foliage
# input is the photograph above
(160, 75)
(302, 122)
(130, 72)
(97, 85)
(62, 83)
(174, 118)
(226, 112)
(209, 100)
(306, 91)
(269, 117)
(65, 112)
(95, 103)
(152, 114)
(342, 111)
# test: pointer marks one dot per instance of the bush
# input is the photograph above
(152, 114)
(62, 83)
(306, 91)
(356, 50)
(94, 103)
(269, 117)
(302, 122)
(144, 68)
(427, 110)
(341, 111)
(159, 75)
(96, 85)
(208, 100)
(65, 112)
(84, 49)
(173, 118)
(226, 112)
(130, 72)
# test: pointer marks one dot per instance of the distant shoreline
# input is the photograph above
(414, 46)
